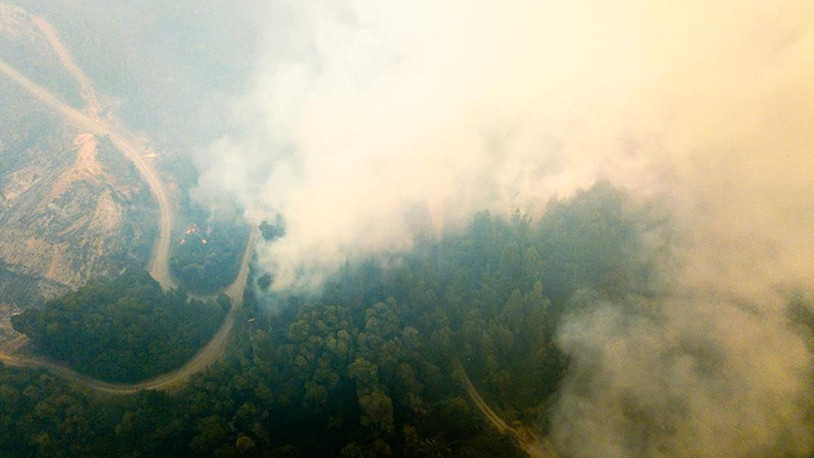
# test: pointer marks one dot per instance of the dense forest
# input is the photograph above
(123, 329)
(365, 368)
(207, 256)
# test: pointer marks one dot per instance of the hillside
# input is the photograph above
(71, 207)
(161, 72)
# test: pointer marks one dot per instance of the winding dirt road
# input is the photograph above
(210, 353)
(158, 266)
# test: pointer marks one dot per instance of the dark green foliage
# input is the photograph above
(366, 368)
(593, 240)
(122, 329)
(41, 416)
(273, 231)
(207, 257)
(264, 282)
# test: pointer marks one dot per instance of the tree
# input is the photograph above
(272, 231)
(122, 329)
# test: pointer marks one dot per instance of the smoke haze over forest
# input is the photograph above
(370, 122)
(491, 227)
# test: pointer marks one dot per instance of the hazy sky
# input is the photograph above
(371, 120)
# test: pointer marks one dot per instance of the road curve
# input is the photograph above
(159, 261)
(210, 353)
(158, 266)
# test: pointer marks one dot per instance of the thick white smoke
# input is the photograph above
(700, 376)
(372, 120)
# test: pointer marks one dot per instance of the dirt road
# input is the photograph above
(92, 106)
(531, 443)
(210, 353)
(158, 266)
(159, 262)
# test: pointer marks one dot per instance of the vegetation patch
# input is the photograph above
(206, 257)
(123, 329)
(369, 365)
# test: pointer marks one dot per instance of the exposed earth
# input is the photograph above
(103, 221)
(74, 192)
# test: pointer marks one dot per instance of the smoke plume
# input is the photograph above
(369, 121)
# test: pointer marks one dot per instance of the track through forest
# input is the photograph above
(158, 266)
(210, 353)
(530, 442)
